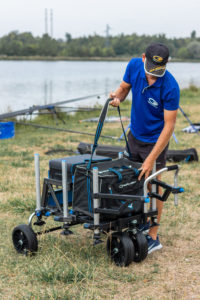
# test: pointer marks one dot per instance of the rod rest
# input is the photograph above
(168, 189)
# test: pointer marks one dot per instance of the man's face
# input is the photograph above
(148, 75)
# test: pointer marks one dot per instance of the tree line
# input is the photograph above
(25, 44)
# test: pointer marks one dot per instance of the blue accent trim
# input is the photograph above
(187, 158)
(47, 107)
(95, 168)
(130, 206)
(137, 172)
(147, 200)
(71, 212)
(59, 196)
(117, 173)
(89, 196)
(110, 190)
(181, 190)
(86, 225)
(38, 213)
(125, 131)
(175, 138)
(48, 213)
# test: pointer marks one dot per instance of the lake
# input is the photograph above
(27, 83)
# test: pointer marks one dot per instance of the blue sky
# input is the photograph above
(175, 18)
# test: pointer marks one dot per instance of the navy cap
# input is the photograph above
(157, 56)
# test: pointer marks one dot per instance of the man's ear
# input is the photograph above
(143, 57)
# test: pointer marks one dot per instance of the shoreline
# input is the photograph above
(70, 58)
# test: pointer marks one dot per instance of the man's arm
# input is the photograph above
(120, 94)
(170, 120)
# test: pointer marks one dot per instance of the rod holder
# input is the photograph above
(96, 202)
(65, 189)
(145, 188)
(37, 182)
(176, 185)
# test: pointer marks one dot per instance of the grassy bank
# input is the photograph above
(64, 58)
(71, 58)
(70, 267)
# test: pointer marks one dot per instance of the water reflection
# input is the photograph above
(48, 91)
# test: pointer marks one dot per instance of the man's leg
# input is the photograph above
(154, 230)
(152, 237)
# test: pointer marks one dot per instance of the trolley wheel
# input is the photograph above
(24, 239)
(120, 248)
(141, 246)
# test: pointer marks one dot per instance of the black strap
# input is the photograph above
(127, 145)
(99, 129)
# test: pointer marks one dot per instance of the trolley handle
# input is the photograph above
(172, 168)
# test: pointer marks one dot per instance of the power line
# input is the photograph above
(107, 31)
(51, 22)
(46, 20)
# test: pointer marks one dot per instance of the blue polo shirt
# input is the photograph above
(149, 102)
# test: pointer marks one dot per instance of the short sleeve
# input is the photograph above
(127, 77)
(171, 99)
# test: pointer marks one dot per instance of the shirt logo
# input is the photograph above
(157, 58)
(153, 102)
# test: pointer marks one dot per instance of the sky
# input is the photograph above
(175, 18)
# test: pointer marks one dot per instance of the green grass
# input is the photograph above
(71, 267)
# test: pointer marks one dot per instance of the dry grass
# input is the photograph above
(70, 267)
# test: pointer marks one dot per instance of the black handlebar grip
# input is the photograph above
(171, 168)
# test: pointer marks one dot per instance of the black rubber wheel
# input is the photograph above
(120, 248)
(24, 239)
(141, 246)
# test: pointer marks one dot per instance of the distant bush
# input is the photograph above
(193, 88)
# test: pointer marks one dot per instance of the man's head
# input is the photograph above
(155, 59)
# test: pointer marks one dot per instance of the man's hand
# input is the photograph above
(146, 168)
(116, 101)
(170, 119)
(120, 94)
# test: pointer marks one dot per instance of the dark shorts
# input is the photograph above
(140, 150)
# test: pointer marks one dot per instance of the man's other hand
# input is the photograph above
(116, 101)
(146, 168)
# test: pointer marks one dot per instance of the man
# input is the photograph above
(155, 101)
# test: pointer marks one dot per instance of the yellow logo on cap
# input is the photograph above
(157, 69)
(157, 58)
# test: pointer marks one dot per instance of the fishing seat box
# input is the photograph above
(55, 165)
(104, 150)
(119, 176)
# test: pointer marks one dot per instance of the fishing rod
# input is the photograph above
(189, 121)
(50, 106)
(64, 130)
(72, 109)
(87, 108)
